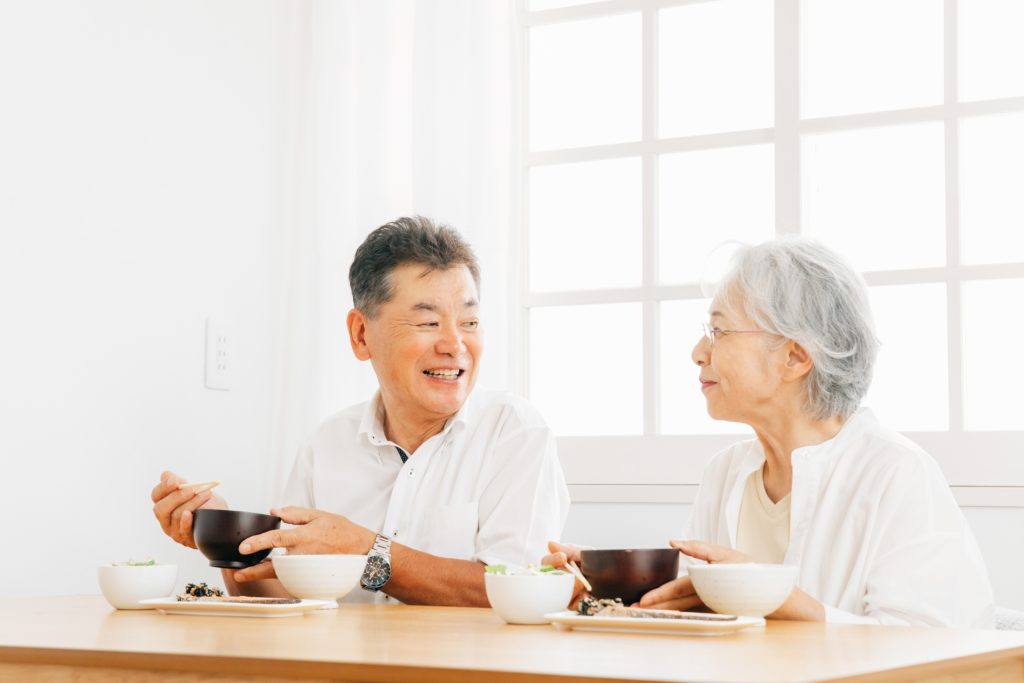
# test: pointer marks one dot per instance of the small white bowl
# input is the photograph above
(526, 598)
(319, 577)
(748, 589)
(124, 585)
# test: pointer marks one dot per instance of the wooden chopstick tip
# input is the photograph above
(199, 486)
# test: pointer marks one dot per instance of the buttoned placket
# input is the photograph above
(807, 473)
(407, 485)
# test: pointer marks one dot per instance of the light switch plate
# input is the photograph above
(218, 356)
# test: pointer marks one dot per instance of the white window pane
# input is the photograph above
(991, 50)
(709, 197)
(585, 225)
(992, 188)
(910, 390)
(715, 67)
(586, 368)
(877, 195)
(585, 82)
(683, 409)
(993, 363)
(536, 5)
(870, 55)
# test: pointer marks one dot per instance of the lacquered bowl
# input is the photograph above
(629, 573)
(219, 532)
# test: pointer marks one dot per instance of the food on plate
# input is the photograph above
(250, 600)
(195, 591)
(203, 593)
(594, 607)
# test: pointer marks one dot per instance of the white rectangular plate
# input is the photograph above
(233, 609)
(686, 627)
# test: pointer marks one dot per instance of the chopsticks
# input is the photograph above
(200, 486)
(571, 566)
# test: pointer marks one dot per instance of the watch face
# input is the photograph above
(376, 573)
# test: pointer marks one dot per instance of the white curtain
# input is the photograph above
(404, 107)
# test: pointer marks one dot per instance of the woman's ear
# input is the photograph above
(356, 323)
(798, 361)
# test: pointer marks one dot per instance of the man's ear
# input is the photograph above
(798, 361)
(356, 323)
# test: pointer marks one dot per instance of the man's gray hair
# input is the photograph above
(415, 240)
(801, 290)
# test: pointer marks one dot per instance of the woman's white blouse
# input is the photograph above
(488, 487)
(873, 526)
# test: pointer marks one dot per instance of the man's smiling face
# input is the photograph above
(425, 342)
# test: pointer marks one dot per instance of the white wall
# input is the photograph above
(145, 185)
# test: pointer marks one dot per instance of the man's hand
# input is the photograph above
(317, 533)
(173, 507)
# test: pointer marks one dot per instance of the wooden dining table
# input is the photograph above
(82, 639)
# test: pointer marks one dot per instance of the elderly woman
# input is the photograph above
(863, 511)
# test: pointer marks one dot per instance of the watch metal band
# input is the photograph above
(381, 546)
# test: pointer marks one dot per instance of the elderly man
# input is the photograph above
(429, 478)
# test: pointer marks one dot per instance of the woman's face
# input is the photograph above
(741, 374)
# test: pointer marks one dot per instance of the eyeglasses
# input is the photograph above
(711, 333)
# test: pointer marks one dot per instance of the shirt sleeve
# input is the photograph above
(299, 489)
(927, 569)
(525, 503)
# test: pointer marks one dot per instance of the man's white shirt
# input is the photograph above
(874, 528)
(488, 487)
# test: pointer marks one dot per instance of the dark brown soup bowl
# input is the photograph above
(628, 574)
(218, 533)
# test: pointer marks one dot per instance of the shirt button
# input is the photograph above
(411, 470)
(394, 532)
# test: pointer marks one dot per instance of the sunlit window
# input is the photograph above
(891, 130)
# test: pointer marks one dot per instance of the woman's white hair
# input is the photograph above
(801, 290)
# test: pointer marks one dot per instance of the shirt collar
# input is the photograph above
(371, 426)
(853, 427)
(822, 452)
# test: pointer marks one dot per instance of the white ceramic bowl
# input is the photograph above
(749, 589)
(526, 598)
(319, 577)
(124, 585)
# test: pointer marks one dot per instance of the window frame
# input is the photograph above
(667, 468)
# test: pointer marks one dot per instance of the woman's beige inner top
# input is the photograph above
(763, 531)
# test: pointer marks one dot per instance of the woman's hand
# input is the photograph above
(561, 554)
(676, 594)
(709, 552)
(679, 594)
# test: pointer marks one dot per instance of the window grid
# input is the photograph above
(786, 138)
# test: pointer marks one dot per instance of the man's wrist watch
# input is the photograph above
(378, 565)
